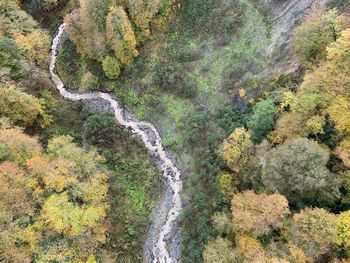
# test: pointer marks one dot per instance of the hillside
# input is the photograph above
(174, 131)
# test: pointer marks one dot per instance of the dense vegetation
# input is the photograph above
(296, 163)
(265, 155)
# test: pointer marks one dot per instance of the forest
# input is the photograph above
(164, 131)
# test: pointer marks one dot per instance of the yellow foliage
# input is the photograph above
(35, 46)
(142, 11)
(258, 213)
(235, 149)
(249, 247)
(227, 185)
(20, 145)
(315, 124)
(333, 77)
(290, 125)
(120, 35)
(22, 109)
(343, 151)
(242, 93)
(339, 112)
(297, 254)
(59, 175)
(343, 229)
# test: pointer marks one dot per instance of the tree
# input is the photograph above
(88, 81)
(142, 12)
(333, 76)
(290, 125)
(222, 223)
(339, 112)
(104, 30)
(227, 186)
(261, 121)
(343, 231)
(314, 231)
(258, 213)
(236, 148)
(297, 169)
(343, 151)
(10, 56)
(66, 217)
(250, 248)
(111, 67)
(35, 47)
(220, 250)
(22, 109)
(318, 30)
(20, 145)
(16, 213)
(120, 35)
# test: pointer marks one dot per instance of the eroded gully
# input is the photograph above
(159, 247)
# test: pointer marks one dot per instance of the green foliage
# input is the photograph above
(297, 169)
(319, 30)
(227, 185)
(220, 250)
(22, 109)
(222, 223)
(112, 30)
(236, 149)
(88, 81)
(261, 122)
(314, 231)
(111, 67)
(172, 79)
(10, 56)
(343, 231)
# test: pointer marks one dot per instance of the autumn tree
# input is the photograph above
(290, 125)
(236, 149)
(22, 109)
(339, 112)
(343, 151)
(108, 31)
(227, 185)
(35, 47)
(318, 30)
(297, 169)
(258, 213)
(343, 231)
(332, 76)
(222, 223)
(67, 189)
(88, 81)
(250, 248)
(120, 35)
(314, 231)
(16, 212)
(220, 250)
(20, 145)
(142, 11)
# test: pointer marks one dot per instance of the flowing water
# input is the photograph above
(160, 244)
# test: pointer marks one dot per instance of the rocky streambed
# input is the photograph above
(164, 235)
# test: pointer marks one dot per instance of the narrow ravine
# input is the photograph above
(158, 247)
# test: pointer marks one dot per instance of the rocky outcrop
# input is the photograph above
(286, 15)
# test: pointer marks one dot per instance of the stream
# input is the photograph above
(162, 245)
